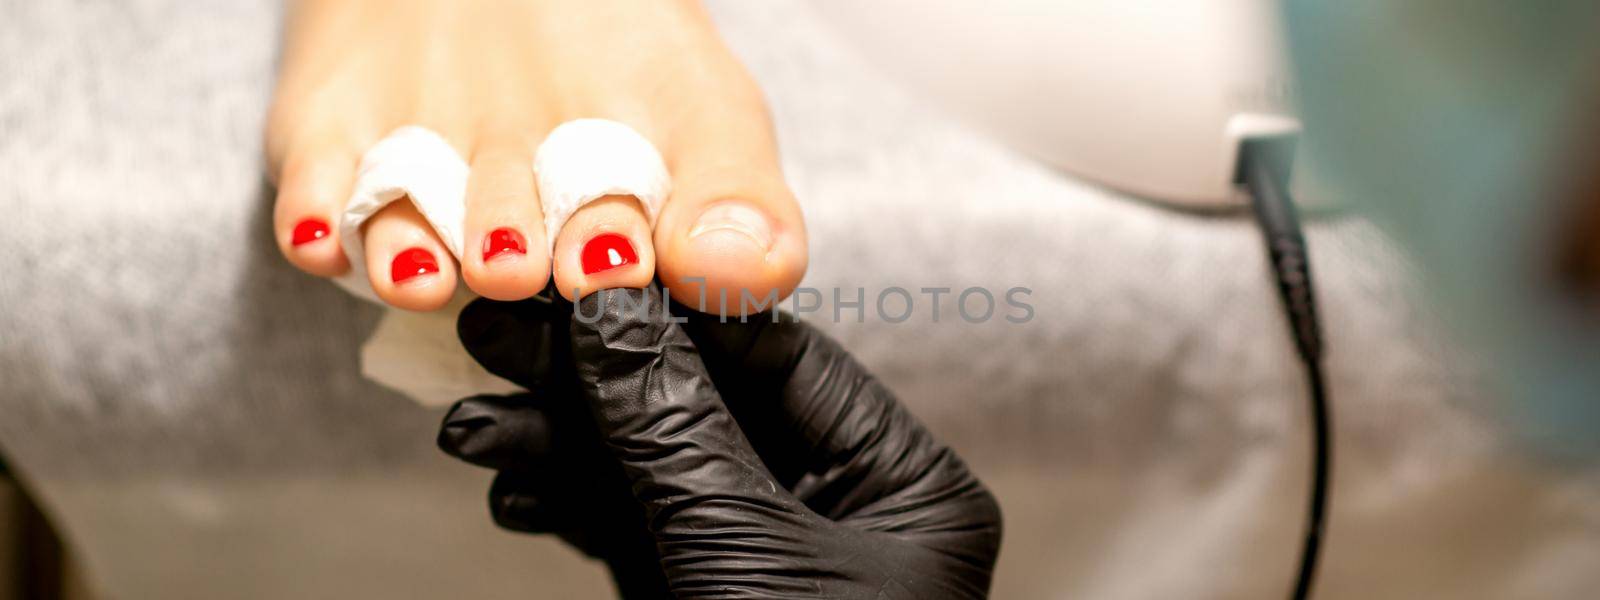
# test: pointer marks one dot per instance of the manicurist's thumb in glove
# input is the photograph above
(710, 459)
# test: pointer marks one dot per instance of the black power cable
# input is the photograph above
(1264, 170)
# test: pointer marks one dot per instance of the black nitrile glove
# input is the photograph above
(811, 481)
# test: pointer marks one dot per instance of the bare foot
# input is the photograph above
(494, 77)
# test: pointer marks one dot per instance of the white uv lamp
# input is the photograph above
(1148, 98)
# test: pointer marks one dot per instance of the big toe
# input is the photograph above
(732, 233)
(731, 250)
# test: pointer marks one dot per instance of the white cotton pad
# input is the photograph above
(419, 355)
(412, 162)
(416, 354)
(585, 159)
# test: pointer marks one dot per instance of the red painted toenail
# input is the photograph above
(309, 230)
(412, 262)
(501, 241)
(607, 251)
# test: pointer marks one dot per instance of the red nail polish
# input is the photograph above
(501, 241)
(309, 230)
(607, 251)
(412, 262)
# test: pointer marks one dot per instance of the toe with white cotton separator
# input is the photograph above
(414, 163)
(584, 160)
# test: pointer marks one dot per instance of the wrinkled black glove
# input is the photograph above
(811, 481)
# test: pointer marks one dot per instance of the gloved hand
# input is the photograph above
(766, 464)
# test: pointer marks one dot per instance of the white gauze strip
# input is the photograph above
(412, 162)
(585, 159)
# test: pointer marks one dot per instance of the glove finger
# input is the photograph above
(523, 341)
(752, 364)
(515, 503)
(497, 432)
(690, 465)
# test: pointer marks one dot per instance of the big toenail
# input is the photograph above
(607, 251)
(735, 217)
(502, 241)
(412, 262)
(309, 230)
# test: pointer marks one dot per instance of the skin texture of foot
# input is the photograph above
(494, 77)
